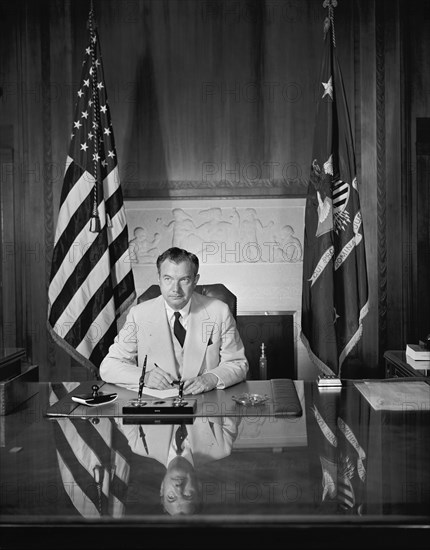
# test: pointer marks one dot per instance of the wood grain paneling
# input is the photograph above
(212, 98)
(367, 168)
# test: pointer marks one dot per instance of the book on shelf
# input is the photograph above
(329, 381)
(422, 365)
(418, 352)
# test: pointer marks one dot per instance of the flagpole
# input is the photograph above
(330, 5)
(95, 226)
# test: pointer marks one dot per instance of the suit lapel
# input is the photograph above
(197, 338)
(203, 435)
(161, 347)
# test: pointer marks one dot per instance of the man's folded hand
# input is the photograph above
(200, 384)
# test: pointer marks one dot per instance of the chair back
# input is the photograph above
(216, 290)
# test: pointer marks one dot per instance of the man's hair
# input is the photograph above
(178, 255)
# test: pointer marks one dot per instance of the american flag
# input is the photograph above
(91, 281)
(335, 291)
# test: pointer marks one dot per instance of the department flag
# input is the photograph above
(91, 281)
(335, 293)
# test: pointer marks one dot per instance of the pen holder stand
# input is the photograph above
(177, 406)
(161, 407)
(179, 401)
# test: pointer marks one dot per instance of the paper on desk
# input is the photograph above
(396, 396)
(161, 394)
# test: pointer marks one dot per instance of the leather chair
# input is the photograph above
(215, 290)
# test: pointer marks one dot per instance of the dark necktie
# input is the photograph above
(181, 434)
(179, 330)
(143, 438)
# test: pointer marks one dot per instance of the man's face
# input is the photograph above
(177, 283)
(180, 490)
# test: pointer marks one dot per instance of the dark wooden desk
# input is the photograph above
(341, 476)
(396, 365)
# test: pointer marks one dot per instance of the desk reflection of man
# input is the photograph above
(182, 449)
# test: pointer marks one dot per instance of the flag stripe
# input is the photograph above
(81, 450)
(90, 263)
(123, 291)
(118, 247)
(80, 474)
(113, 193)
(85, 312)
(95, 441)
(345, 493)
(118, 486)
(72, 178)
(98, 300)
(59, 391)
(83, 447)
(68, 243)
(83, 504)
(93, 323)
(71, 246)
(91, 326)
(121, 448)
(100, 350)
(72, 215)
(90, 271)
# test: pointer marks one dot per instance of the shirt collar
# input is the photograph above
(187, 452)
(184, 311)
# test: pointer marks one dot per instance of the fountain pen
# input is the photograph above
(142, 378)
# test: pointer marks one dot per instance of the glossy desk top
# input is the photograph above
(341, 465)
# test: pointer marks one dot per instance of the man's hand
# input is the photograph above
(201, 384)
(158, 378)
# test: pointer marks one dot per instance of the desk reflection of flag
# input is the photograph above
(91, 281)
(93, 463)
(334, 295)
(340, 435)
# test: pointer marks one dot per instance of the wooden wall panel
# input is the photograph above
(213, 97)
(417, 57)
(30, 211)
(393, 328)
(58, 106)
(367, 139)
(226, 83)
(8, 337)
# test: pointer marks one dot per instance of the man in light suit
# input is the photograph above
(202, 347)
